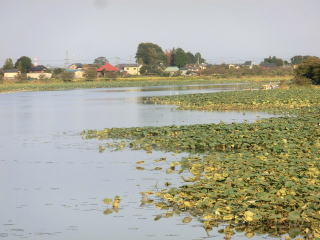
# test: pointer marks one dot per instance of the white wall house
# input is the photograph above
(11, 74)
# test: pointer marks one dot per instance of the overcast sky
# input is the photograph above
(222, 30)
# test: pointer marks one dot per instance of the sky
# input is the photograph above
(231, 31)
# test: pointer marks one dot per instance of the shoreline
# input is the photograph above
(58, 85)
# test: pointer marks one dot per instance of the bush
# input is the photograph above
(151, 70)
(91, 74)
(67, 76)
(57, 72)
(111, 75)
(21, 77)
(310, 69)
(301, 81)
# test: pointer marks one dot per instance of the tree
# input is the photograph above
(273, 60)
(150, 54)
(298, 59)
(23, 64)
(310, 69)
(198, 58)
(8, 64)
(100, 61)
(57, 71)
(180, 58)
(190, 58)
(169, 57)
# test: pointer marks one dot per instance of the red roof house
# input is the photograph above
(107, 68)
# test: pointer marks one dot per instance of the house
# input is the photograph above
(79, 70)
(75, 66)
(184, 71)
(131, 69)
(35, 75)
(39, 72)
(38, 69)
(11, 74)
(248, 64)
(171, 70)
(107, 68)
(233, 66)
(195, 68)
(78, 73)
(203, 66)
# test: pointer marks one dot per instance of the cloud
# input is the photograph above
(100, 4)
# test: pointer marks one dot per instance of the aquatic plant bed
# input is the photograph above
(259, 178)
(279, 100)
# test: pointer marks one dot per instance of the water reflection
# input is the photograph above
(179, 88)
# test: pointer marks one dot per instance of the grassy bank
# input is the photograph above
(260, 178)
(50, 85)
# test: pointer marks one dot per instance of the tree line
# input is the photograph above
(154, 59)
(280, 62)
(23, 64)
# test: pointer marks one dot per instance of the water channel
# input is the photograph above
(52, 182)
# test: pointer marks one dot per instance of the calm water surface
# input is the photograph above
(52, 182)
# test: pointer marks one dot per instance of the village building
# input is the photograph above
(76, 66)
(233, 66)
(248, 64)
(107, 68)
(184, 71)
(78, 73)
(171, 70)
(39, 72)
(11, 74)
(79, 70)
(39, 69)
(203, 66)
(130, 69)
(196, 68)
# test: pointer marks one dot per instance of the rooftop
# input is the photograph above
(127, 65)
(11, 71)
(38, 68)
(171, 69)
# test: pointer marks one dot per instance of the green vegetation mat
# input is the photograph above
(279, 100)
(259, 178)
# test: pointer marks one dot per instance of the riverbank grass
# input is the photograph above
(49, 85)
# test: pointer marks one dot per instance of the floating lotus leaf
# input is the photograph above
(256, 178)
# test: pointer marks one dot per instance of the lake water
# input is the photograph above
(52, 182)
